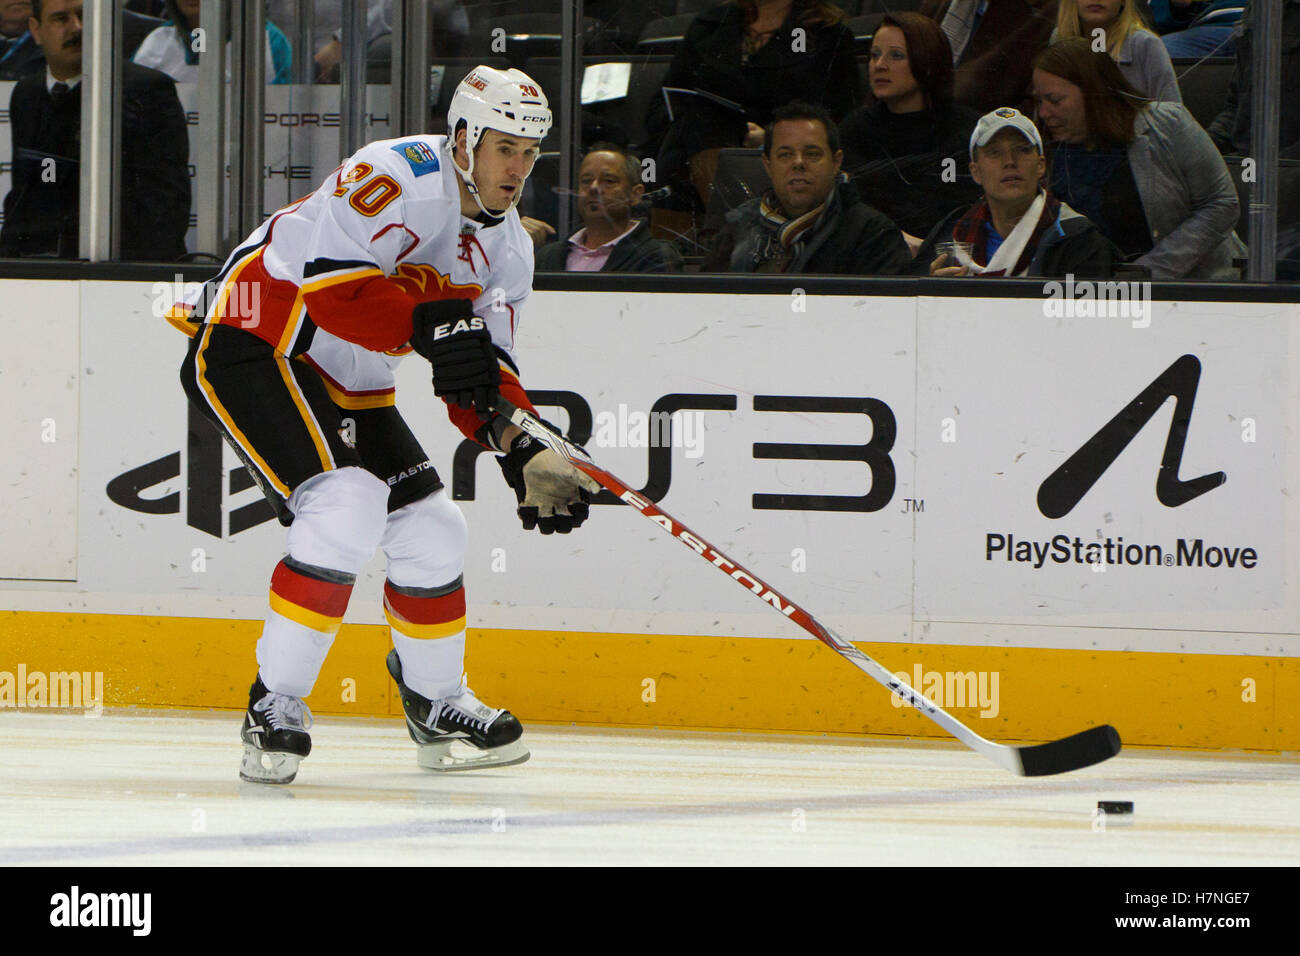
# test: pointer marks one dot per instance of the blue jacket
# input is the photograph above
(1205, 13)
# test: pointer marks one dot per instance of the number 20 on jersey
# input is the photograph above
(372, 195)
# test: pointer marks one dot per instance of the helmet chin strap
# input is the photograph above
(467, 177)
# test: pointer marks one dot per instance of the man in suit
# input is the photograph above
(42, 208)
(609, 188)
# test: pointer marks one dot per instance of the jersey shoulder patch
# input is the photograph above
(421, 156)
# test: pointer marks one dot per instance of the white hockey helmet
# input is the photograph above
(509, 101)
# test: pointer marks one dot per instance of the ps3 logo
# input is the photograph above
(205, 497)
(873, 453)
(203, 480)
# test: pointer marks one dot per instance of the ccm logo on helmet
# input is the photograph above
(475, 82)
(462, 325)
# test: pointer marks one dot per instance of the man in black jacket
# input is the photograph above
(43, 205)
(736, 71)
(18, 51)
(609, 188)
(1018, 228)
(811, 220)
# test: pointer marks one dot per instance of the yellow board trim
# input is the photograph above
(1197, 701)
(304, 616)
(446, 629)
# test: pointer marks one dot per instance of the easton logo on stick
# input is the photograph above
(764, 592)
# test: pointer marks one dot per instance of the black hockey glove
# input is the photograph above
(459, 347)
(553, 495)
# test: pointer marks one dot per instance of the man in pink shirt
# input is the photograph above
(609, 189)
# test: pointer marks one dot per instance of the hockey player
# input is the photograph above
(413, 244)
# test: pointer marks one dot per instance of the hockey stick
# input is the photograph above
(1059, 756)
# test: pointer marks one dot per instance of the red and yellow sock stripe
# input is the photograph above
(424, 617)
(313, 602)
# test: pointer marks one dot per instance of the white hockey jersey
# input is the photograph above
(336, 274)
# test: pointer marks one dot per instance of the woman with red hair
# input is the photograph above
(905, 149)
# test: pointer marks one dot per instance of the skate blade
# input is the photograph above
(260, 766)
(452, 755)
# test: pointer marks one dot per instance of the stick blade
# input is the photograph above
(1070, 753)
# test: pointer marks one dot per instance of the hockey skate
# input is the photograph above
(275, 736)
(459, 732)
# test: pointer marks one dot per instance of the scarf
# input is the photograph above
(1017, 250)
(777, 247)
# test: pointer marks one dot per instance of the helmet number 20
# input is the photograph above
(372, 195)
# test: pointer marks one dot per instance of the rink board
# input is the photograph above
(704, 682)
(922, 534)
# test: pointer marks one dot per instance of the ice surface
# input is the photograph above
(162, 788)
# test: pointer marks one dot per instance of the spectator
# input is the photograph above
(747, 53)
(811, 220)
(42, 208)
(1117, 154)
(170, 48)
(329, 57)
(906, 150)
(1231, 128)
(1197, 28)
(610, 240)
(1141, 57)
(622, 23)
(450, 25)
(993, 44)
(1018, 228)
(19, 52)
(135, 28)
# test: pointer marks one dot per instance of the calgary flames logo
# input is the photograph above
(425, 283)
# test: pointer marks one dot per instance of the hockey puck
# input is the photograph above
(1115, 806)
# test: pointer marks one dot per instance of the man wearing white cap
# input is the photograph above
(1018, 228)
